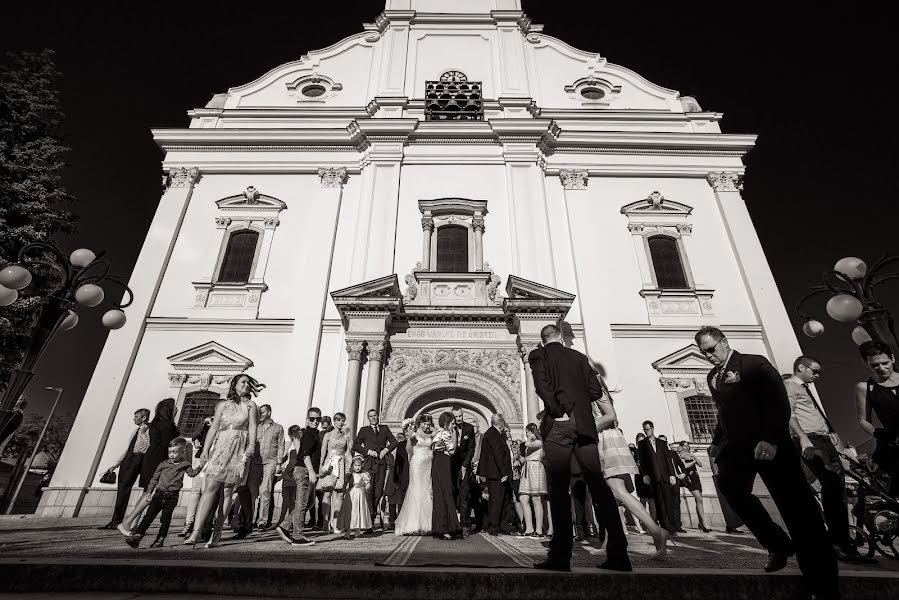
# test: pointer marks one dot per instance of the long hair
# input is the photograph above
(532, 428)
(445, 419)
(423, 418)
(255, 387)
(165, 411)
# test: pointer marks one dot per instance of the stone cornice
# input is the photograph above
(182, 324)
(569, 140)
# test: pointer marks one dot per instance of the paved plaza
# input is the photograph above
(72, 555)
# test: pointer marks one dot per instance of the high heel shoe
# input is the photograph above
(214, 539)
(704, 529)
(661, 544)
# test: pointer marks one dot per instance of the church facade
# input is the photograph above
(387, 224)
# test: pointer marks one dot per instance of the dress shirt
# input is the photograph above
(169, 476)
(719, 375)
(142, 440)
(804, 408)
(269, 443)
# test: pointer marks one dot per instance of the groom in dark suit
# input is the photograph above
(567, 385)
(461, 464)
(753, 437)
(374, 442)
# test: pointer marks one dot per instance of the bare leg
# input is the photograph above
(549, 518)
(136, 512)
(326, 512)
(336, 503)
(525, 502)
(652, 509)
(207, 500)
(659, 536)
(538, 514)
(700, 510)
(519, 510)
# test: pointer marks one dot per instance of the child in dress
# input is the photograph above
(164, 488)
(359, 511)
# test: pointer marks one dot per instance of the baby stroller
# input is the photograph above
(876, 513)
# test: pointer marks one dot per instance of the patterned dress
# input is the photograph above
(227, 458)
(334, 462)
(533, 476)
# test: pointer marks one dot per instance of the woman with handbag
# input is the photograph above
(335, 464)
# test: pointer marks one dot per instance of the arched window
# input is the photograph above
(452, 249)
(197, 406)
(666, 262)
(238, 261)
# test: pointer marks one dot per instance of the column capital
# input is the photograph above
(181, 177)
(333, 177)
(477, 223)
(376, 350)
(573, 180)
(526, 346)
(271, 223)
(222, 222)
(725, 181)
(427, 224)
(354, 349)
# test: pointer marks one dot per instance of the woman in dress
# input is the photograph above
(336, 458)
(355, 517)
(227, 452)
(533, 486)
(879, 396)
(444, 522)
(691, 481)
(418, 506)
(618, 466)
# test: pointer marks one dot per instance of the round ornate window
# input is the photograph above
(592, 93)
(314, 90)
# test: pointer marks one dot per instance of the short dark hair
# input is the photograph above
(650, 423)
(145, 412)
(641, 437)
(873, 348)
(178, 442)
(662, 437)
(786, 376)
(294, 432)
(539, 416)
(708, 330)
(805, 361)
(268, 406)
(340, 416)
(315, 410)
(550, 331)
(371, 410)
(456, 408)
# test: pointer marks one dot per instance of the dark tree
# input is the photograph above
(33, 201)
(22, 442)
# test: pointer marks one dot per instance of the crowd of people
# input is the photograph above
(447, 479)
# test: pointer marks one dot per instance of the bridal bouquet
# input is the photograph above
(407, 422)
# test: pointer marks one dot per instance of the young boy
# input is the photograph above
(164, 488)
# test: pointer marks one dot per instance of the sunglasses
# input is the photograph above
(314, 418)
(711, 350)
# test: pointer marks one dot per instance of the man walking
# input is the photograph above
(568, 385)
(269, 452)
(374, 442)
(812, 432)
(752, 438)
(129, 466)
(461, 465)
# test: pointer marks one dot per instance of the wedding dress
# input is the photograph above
(418, 506)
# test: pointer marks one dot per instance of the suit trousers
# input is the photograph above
(477, 503)
(129, 471)
(562, 441)
(796, 502)
(261, 481)
(164, 502)
(462, 494)
(378, 474)
(664, 499)
(498, 498)
(826, 466)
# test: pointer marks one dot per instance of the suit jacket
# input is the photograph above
(369, 439)
(495, 461)
(464, 448)
(752, 406)
(657, 464)
(567, 384)
(161, 433)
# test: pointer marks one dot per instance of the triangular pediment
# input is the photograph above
(654, 205)
(686, 360)
(251, 199)
(518, 288)
(385, 287)
(210, 357)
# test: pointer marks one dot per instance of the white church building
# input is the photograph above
(389, 222)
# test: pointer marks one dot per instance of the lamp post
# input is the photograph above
(37, 445)
(851, 288)
(80, 275)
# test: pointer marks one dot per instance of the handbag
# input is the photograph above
(326, 483)
(108, 477)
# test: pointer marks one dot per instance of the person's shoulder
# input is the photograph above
(536, 353)
(861, 386)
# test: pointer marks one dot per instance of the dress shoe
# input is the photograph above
(110, 525)
(617, 565)
(548, 565)
(733, 531)
(157, 543)
(241, 533)
(187, 530)
(777, 560)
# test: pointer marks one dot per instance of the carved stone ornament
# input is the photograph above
(178, 378)
(501, 366)
(427, 224)
(333, 177)
(222, 222)
(655, 200)
(354, 349)
(635, 227)
(493, 284)
(203, 380)
(725, 181)
(674, 384)
(251, 194)
(573, 180)
(477, 224)
(271, 223)
(376, 350)
(684, 228)
(411, 287)
(183, 177)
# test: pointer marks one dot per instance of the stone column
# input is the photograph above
(477, 224)
(526, 345)
(354, 350)
(757, 278)
(427, 230)
(373, 386)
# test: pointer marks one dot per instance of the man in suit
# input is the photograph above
(461, 465)
(568, 385)
(129, 466)
(812, 432)
(495, 469)
(680, 473)
(374, 442)
(658, 474)
(753, 437)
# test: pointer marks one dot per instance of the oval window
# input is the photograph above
(314, 91)
(592, 93)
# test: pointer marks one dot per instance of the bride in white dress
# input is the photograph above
(418, 505)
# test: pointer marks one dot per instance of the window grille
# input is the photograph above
(702, 415)
(238, 261)
(666, 262)
(452, 249)
(197, 406)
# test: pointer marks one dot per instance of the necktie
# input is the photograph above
(458, 435)
(808, 391)
(719, 377)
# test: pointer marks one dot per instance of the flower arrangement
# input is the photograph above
(407, 423)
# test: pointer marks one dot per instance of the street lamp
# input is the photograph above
(851, 287)
(37, 445)
(80, 275)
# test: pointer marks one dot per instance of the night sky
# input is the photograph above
(811, 83)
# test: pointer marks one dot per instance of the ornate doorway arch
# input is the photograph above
(474, 406)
